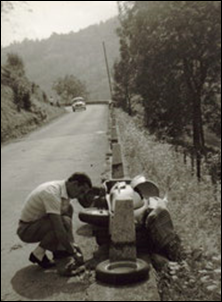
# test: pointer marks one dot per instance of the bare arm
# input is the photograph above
(60, 232)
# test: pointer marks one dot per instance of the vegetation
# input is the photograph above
(171, 61)
(69, 87)
(24, 106)
(79, 54)
(195, 208)
(15, 78)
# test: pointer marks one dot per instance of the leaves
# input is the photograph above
(198, 277)
(169, 51)
(69, 87)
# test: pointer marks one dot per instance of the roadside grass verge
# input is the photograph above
(15, 124)
(195, 208)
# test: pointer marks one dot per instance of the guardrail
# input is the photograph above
(115, 169)
(114, 157)
(97, 103)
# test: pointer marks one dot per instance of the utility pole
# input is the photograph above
(107, 69)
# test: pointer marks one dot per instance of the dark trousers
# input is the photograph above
(42, 231)
(158, 235)
(155, 235)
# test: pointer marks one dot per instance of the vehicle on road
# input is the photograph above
(78, 103)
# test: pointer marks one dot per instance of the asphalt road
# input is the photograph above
(75, 142)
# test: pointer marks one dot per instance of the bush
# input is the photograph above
(22, 99)
(195, 206)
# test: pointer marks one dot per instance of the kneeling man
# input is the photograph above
(47, 218)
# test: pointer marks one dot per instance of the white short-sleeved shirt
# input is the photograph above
(48, 198)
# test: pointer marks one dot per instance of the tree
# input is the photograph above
(15, 64)
(176, 48)
(14, 76)
(122, 85)
(69, 87)
(124, 68)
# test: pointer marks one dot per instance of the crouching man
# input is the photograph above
(46, 219)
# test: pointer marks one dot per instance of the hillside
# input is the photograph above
(80, 54)
(17, 120)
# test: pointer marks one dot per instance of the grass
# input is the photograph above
(14, 124)
(195, 208)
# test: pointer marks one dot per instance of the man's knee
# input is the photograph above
(20, 234)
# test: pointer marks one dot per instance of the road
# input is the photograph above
(75, 142)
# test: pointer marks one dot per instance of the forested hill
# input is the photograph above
(80, 54)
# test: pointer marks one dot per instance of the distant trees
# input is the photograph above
(69, 87)
(14, 76)
(171, 57)
(15, 64)
(78, 53)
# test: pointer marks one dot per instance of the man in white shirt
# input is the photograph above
(47, 218)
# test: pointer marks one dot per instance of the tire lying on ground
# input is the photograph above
(95, 216)
(122, 272)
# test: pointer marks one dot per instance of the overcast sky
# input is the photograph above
(38, 19)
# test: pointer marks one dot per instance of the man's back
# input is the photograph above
(45, 199)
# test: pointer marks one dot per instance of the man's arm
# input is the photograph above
(61, 233)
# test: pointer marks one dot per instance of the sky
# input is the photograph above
(39, 19)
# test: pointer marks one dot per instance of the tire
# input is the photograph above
(95, 216)
(122, 272)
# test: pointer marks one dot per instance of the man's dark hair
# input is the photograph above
(82, 178)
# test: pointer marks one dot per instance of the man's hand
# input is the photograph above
(78, 255)
(141, 218)
(150, 218)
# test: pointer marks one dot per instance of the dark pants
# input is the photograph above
(157, 235)
(42, 231)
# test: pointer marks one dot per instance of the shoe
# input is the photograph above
(45, 263)
(77, 256)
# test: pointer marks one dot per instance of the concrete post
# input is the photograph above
(114, 135)
(117, 163)
(122, 230)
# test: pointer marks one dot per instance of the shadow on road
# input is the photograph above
(34, 283)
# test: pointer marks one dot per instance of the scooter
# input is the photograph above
(137, 190)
